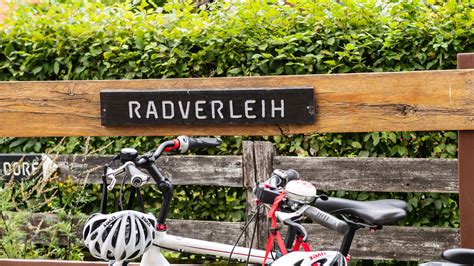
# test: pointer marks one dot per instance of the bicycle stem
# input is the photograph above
(165, 186)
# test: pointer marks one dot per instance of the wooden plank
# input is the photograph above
(222, 232)
(181, 170)
(466, 169)
(403, 101)
(375, 174)
(392, 242)
(39, 262)
(248, 159)
(264, 154)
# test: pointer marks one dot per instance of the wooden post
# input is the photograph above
(466, 167)
(248, 169)
(257, 166)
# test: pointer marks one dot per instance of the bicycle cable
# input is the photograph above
(121, 191)
(255, 226)
(243, 231)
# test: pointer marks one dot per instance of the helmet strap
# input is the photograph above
(103, 201)
(136, 192)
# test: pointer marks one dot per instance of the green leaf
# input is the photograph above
(376, 138)
(393, 137)
(331, 41)
(37, 69)
(363, 196)
(356, 144)
(56, 67)
(9, 49)
(450, 148)
(263, 46)
(235, 71)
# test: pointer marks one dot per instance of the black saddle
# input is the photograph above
(459, 255)
(378, 212)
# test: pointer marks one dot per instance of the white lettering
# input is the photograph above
(16, 169)
(248, 109)
(131, 109)
(20, 168)
(25, 169)
(34, 167)
(281, 108)
(171, 105)
(7, 168)
(200, 109)
(151, 110)
(219, 109)
(184, 113)
(231, 108)
(263, 108)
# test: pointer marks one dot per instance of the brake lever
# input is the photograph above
(291, 218)
(110, 173)
(301, 230)
(112, 183)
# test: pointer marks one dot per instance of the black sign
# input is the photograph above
(207, 107)
(23, 166)
(20, 166)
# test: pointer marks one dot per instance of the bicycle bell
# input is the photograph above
(301, 191)
(128, 154)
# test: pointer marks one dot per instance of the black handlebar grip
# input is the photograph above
(327, 220)
(204, 142)
(291, 175)
(186, 143)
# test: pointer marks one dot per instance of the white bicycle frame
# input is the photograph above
(182, 244)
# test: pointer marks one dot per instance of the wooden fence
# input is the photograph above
(407, 101)
(350, 174)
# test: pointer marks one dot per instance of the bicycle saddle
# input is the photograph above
(378, 212)
(459, 255)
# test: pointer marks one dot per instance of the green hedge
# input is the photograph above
(82, 40)
(94, 41)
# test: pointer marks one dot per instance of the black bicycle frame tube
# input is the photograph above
(347, 240)
(164, 185)
(290, 238)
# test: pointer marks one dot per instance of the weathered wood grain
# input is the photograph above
(181, 170)
(42, 262)
(403, 101)
(248, 159)
(220, 232)
(392, 242)
(353, 174)
(264, 154)
(375, 174)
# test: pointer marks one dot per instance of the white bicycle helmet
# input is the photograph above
(119, 236)
(302, 258)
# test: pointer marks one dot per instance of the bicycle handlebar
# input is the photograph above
(327, 220)
(137, 177)
(184, 144)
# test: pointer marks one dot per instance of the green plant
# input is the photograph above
(91, 40)
(26, 210)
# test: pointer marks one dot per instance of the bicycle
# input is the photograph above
(454, 257)
(123, 236)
